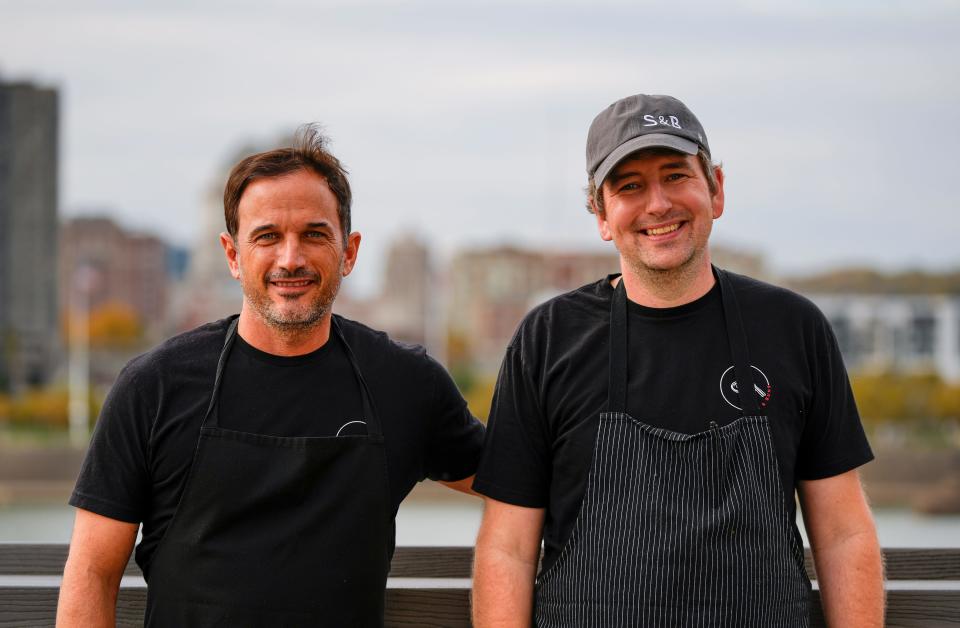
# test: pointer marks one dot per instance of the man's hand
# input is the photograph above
(99, 551)
(846, 552)
(507, 554)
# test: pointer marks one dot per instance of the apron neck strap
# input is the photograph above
(221, 364)
(620, 347)
(746, 384)
(369, 408)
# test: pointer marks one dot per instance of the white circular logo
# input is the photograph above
(731, 392)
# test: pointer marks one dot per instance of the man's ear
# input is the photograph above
(230, 250)
(350, 252)
(718, 198)
(602, 225)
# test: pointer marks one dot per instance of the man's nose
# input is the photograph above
(291, 254)
(658, 201)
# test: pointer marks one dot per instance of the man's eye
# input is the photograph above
(629, 186)
(676, 176)
(316, 234)
(266, 236)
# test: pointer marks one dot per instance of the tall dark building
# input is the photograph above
(29, 330)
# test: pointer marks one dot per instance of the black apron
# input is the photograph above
(277, 531)
(678, 529)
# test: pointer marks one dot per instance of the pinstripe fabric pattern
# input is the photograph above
(678, 530)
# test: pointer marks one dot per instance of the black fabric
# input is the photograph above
(147, 431)
(553, 384)
(257, 515)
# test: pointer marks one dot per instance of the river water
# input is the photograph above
(454, 521)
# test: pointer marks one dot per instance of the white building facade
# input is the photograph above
(917, 333)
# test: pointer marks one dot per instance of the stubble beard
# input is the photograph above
(299, 320)
(669, 280)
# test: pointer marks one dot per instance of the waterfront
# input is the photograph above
(434, 520)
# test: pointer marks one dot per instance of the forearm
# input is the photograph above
(87, 598)
(502, 589)
(846, 552)
(99, 550)
(850, 576)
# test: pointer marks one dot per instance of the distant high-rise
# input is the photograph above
(29, 335)
(404, 308)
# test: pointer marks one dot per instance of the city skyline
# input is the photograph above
(835, 122)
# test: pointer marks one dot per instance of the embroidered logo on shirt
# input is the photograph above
(731, 391)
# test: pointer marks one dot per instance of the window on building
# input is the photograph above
(922, 334)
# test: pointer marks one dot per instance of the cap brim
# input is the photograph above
(651, 140)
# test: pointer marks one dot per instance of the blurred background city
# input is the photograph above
(463, 129)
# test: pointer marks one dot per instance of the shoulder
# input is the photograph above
(182, 355)
(375, 348)
(399, 373)
(554, 335)
(566, 314)
(785, 324)
(765, 298)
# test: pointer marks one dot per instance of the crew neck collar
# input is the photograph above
(284, 360)
(711, 297)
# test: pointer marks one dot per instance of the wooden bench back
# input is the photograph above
(431, 586)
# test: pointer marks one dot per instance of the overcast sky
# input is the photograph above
(837, 122)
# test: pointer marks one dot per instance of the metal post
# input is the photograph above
(79, 360)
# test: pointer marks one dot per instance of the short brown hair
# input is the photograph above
(595, 194)
(307, 153)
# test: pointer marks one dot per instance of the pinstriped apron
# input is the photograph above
(678, 529)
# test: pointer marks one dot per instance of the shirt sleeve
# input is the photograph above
(456, 436)
(515, 466)
(833, 440)
(114, 478)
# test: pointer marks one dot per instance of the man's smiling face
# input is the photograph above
(290, 251)
(659, 211)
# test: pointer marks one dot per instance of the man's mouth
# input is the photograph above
(291, 283)
(656, 231)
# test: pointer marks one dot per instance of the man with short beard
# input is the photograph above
(266, 454)
(652, 428)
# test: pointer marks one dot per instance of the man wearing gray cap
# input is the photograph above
(652, 429)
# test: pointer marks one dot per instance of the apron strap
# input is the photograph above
(738, 347)
(221, 363)
(619, 346)
(369, 408)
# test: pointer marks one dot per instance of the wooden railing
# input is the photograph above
(430, 586)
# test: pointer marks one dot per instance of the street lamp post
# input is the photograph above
(79, 359)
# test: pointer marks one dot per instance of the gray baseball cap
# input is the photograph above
(637, 122)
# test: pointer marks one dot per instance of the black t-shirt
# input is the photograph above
(144, 440)
(316, 394)
(553, 386)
